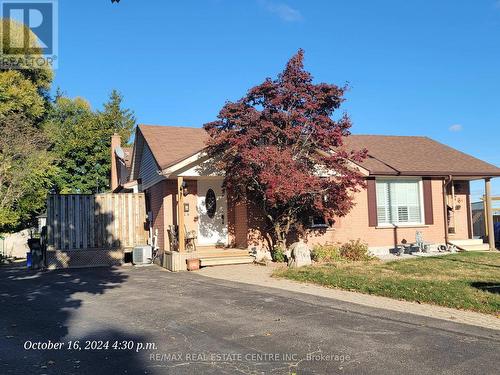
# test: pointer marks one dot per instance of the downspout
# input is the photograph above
(453, 207)
(447, 182)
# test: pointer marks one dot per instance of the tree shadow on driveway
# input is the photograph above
(40, 306)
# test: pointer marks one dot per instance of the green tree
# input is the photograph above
(25, 165)
(116, 119)
(23, 88)
(26, 172)
(81, 140)
(20, 95)
(71, 127)
(44, 143)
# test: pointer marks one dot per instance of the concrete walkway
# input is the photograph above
(261, 276)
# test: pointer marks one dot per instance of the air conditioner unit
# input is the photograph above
(142, 254)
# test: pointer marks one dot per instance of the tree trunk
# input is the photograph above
(280, 237)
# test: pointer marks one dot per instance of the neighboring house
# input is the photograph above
(413, 184)
(479, 214)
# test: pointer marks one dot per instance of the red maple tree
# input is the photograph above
(281, 149)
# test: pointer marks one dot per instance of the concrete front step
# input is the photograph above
(218, 261)
(483, 247)
(471, 245)
(470, 242)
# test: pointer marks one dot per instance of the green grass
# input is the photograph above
(469, 281)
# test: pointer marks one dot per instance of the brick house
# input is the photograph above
(413, 184)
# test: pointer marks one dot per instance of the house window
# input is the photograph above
(399, 202)
(317, 222)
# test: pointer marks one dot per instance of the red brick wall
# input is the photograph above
(237, 222)
(231, 219)
(155, 197)
(191, 199)
(462, 190)
(163, 204)
(355, 225)
(169, 209)
(256, 224)
(247, 226)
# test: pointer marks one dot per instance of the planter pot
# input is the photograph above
(193, 264)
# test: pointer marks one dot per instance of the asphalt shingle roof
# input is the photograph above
(387, 155)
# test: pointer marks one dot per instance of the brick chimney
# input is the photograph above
(115, 142)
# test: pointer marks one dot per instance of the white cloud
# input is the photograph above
(455, 128)
(283, 11)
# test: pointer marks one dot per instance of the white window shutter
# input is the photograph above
(383, 215)
(399, 202)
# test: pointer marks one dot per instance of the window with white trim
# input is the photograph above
(399, 202)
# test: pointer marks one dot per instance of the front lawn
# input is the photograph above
(468, 280)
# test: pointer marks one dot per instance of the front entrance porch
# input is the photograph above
(200, 222)
(200, 214)
(459, 227)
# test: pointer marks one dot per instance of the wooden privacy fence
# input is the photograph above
(479, 216)
(90, 230)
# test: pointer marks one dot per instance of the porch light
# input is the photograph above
(184, 188)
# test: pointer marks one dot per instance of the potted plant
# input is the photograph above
(193, 264)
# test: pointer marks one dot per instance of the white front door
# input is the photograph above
(212, 213)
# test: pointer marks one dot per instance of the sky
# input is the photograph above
(414, 67)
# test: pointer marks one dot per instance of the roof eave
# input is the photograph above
(172, 168)
(436, 174)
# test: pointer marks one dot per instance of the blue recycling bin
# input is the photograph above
(28, 260)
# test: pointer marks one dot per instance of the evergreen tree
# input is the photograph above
(81, 141)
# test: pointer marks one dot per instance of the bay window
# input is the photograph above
(399, 201)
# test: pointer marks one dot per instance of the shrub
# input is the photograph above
(325, 253)
(278, 255)
(355, 250)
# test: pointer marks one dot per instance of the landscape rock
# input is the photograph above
(300, 255)
(262, 255)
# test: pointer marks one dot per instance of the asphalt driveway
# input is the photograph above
(149, 321)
